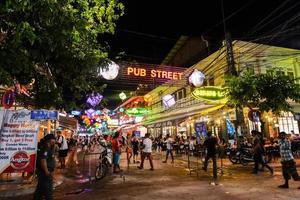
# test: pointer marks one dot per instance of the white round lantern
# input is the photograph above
(111, 72)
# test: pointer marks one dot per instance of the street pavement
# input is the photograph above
(174, 181)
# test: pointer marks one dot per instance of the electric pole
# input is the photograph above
(231, 70)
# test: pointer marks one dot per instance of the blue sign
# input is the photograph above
(75, 112)
(137, 133)
(44, 114)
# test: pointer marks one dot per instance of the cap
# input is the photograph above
(49, 137)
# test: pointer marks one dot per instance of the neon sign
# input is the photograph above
(209, 93)
(136, 111)
(154, 73)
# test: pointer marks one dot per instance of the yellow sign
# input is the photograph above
(209, 93)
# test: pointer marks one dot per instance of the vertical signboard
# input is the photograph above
(18, 142)
(200, 128)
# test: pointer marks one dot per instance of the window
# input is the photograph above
(291, 75)
(279, 72)
(180, 94)
(211, 81)
(287, 123)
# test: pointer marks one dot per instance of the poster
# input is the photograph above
(230, 129)
(18, 142)
(200, 128)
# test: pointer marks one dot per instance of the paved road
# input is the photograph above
(173, 181)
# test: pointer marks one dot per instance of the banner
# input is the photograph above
(200, 129)
(18, 142)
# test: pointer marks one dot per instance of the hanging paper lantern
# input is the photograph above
(168, 100)
(94, 99)
(196, 78)
(148, 98)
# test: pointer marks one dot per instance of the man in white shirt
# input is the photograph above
(63, 149)
(147, 150)
(169, 143)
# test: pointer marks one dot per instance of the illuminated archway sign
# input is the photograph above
(136, 111)
(210, 93)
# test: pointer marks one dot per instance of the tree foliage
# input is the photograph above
(268, 92)
(57, 43)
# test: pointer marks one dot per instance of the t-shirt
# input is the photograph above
(45, 153)
(115, 145)
(135, 144)
(210, 143)
(169, 142)
(147, 145)
(64, 144)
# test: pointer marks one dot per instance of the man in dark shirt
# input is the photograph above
(45, 167)
(211, 143)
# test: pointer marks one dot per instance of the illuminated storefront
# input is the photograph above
(204, 98)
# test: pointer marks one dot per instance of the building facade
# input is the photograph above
(192, 109)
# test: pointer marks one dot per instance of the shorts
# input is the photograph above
(129, 150)
(135, 152)
(116, 158)
(63, 153)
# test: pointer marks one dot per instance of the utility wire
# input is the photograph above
(229, 17)
(256, 27)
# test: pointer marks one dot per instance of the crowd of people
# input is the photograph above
(139, 149)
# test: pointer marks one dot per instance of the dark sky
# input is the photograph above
(149, 28)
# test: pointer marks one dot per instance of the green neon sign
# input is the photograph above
(136, 111)
(209, 93)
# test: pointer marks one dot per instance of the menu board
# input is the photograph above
(18, 141)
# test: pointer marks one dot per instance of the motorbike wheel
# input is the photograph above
(101, 171)
(233, 158)
(243, 161)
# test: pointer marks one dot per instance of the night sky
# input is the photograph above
(149, 29)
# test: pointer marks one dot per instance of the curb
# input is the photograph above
(26, 189)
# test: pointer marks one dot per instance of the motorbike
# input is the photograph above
(233, 155)
(105, 161)
(246, 156)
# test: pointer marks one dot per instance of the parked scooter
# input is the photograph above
(105, 160)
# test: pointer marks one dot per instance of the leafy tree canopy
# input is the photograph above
(57, 43)
(268, 92)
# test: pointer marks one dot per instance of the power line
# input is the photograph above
(229, 17)
(147, 35)
(256, 27)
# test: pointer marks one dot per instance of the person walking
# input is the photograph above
(147, 150)
(63, 149)
(211, 143)
(45, 165)
(169, 150)
(116, 149)
(259, 151)
(287, 161)
(135, 147)
(129, 148)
